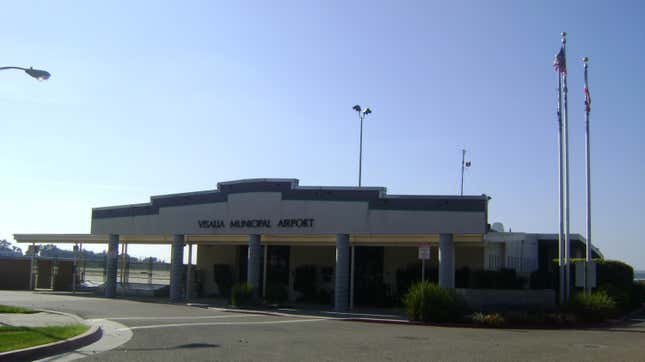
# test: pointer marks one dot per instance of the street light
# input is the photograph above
(361, 114)
(35, 73)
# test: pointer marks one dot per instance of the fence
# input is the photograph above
(128, 272)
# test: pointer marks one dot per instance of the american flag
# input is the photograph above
(587, 99)
(560, 62)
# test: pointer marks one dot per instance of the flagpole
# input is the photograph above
(561, 193)
(585, 60)
(567, 199)
(463, 159)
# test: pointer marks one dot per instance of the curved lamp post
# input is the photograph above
(35, 73)
(361, 114)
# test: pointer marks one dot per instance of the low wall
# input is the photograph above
(14, 273)
(490, 299)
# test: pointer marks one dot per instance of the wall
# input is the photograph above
(470, 256)
(330, 217)
(522, 255)
(15, 274)
(493, 256)
(207, 256)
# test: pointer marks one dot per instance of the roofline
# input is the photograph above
(286, 185)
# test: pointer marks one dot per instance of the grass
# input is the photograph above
(12, 309)
(12, 338)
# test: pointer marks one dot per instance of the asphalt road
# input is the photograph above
(163, 332)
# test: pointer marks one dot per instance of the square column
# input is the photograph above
(176, 268)
(111, 266)
(446, 261)
(341, 289)
(254, 262)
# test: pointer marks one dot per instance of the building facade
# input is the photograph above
(344, 245)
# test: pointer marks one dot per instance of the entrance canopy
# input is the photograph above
(268, 239)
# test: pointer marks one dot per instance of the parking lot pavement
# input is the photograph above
(163, 332)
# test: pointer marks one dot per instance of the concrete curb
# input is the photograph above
(93, 334)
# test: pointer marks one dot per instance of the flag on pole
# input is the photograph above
(587, 99)
(560, 62)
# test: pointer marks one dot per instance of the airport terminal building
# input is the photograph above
(343, 244)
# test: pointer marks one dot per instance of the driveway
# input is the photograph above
(163, 332)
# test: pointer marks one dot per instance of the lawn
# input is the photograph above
(12, 309)
(12, 338)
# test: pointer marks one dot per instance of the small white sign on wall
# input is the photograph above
(424, 252)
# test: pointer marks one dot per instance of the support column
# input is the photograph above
(189, 270)
(341, 290)
(352, 278)
(446, 261)
(111, 266)
(176, 268)
(32, 284)
(253, 263)
(264, 272)
(74, 268)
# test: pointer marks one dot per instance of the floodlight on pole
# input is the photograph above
(34, 73)
(361, 115)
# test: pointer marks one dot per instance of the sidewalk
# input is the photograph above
(40, 319)
(43, 319)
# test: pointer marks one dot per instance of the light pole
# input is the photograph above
(35, 73)
(361, 114)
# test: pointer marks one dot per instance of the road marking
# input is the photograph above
(225, 323)
(187, 317)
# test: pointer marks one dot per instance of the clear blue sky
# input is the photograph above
(162, 97)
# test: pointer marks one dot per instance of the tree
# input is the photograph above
(6, 249)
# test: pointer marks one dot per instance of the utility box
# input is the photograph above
(580, 274)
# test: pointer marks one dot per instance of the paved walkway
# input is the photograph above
(40, 319)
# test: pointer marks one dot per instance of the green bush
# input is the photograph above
(637, 294)
(542, 279)
(277, 293)
(489, 320)
(616, 273)
(595, 307)
(428, 302)
(410, 274)
(241, 294)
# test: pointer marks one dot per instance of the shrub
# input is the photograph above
(427, 302)
(277, 293)
(637, 294)
(596, 307)
(406, 277)
(241, 294)
(462, 277)
(489, 320)
(542, 279)
(616, 273)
